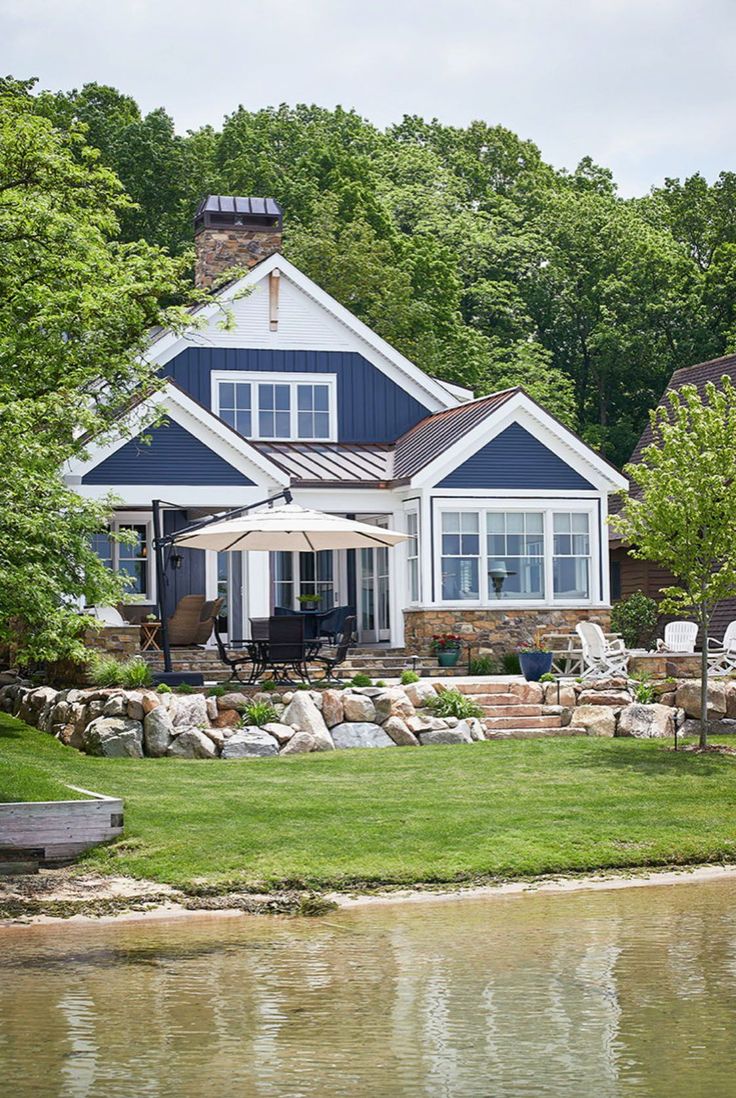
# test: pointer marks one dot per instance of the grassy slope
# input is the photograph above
(402, 816)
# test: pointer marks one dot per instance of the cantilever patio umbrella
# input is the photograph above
(263, 527)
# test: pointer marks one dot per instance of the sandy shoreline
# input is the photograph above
(54, 897)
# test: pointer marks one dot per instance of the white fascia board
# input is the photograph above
(360, 501)
(520, 409)
(187, 497)
(400, 369)
(179, 407)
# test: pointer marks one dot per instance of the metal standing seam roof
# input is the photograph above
(432, 436)
(331, 463)
(237, 204)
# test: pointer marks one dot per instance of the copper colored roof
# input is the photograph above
(332, 464)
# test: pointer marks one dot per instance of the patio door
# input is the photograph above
(373, 590)
(229, 587)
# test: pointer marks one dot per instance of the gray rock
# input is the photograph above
(281, 732)
(726, 726)
(357, 707)
(217, 735)
(191, 711)
(596, 720)
(300, 744)
(116, 706)
(400, 732)
(474, 727)
(446, 735)
(419, 693)
(360, 734)
(192, 743)
(332, 708)
(688, 694)
(135, 705)
(249, 742)
(212, 709)
(304, 715)
(647, 722)
(232, 701)
(158, 732)
(114, 738)
(393, 703)
(42, 696)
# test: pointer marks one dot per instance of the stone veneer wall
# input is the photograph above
(120, 641)
(501, 630)
(219, 250)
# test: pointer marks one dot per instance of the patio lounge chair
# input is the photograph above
(679, 636)
(722, 654)
(209, 612)
(184, 623)
(330, 662)
(601, 656)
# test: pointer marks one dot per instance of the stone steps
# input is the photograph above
(533, 733)
(508, 709)
(516, 721)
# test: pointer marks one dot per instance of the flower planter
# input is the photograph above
(535, 664)
(448, 657)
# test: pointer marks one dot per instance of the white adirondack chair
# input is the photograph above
(680, 636)
(601, 656)
(722, 654)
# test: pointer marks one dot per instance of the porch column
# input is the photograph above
(397, 582)
(257, 586)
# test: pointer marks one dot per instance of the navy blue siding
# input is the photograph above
(190, 578)
(174, 456)
(515, 459)
(370, 407)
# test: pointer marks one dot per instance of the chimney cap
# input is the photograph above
(235, 211)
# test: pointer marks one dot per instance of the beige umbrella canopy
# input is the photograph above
(288, 527)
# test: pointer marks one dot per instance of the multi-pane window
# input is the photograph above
(460, 555)
(412, 554)
(313, 411)
(294, 574)
(102, 546)
(133, 558)
(571, 555)
(277, 409)
(235, 405)
(515, 543)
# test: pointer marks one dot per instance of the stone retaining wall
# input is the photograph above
(501, 630)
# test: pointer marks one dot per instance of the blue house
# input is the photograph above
(505, 507)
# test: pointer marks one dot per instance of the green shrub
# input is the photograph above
(164, 688)
(380, 682)
(451, 703)
(185, 688)
(483, 665)
(260, 713)
(303, 686)
(408, 677)
(510, 663)
(104, 670)
(645, 691)
(635, 618)
(216, 691)
(132, 673)
(361, 679)
(268, 685)
(136, 672)
(547, 677)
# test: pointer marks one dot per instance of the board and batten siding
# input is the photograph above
(173, 456)
(370, 406)
(515, 459)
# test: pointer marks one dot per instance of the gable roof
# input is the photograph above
(434, 394)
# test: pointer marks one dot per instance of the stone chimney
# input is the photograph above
(234, 232)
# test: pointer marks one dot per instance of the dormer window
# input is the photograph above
(292, 407)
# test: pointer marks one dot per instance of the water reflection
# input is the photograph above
(599, 994)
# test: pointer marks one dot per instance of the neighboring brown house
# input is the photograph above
(629, 575)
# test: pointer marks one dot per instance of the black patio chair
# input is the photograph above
(237, 654)
(286, 650)
(330, 662)
(331, 623)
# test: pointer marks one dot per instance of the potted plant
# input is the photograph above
(309, 602)
(446, 647)
(534, 659)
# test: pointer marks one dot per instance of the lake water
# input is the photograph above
(597, 994)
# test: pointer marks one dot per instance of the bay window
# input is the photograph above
(282, 406)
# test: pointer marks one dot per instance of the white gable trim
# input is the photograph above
(524, 411)
(433, 394)
(210, 431)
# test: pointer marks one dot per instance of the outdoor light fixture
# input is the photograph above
(498, 573)
(175, 560)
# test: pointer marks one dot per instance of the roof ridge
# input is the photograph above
(458, 408)
(708, 362)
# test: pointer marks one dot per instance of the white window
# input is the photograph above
(295, 574)
(412, 555)
(460, 556)
(133, 557)
(571, 558)
(515, 554)
(277, 406)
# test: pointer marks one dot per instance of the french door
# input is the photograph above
(373, 589)
(228, 586)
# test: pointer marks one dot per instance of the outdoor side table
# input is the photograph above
(149, 636)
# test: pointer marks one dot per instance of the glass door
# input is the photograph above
(230, 590)
(373, 588)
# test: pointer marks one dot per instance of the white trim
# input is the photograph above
(377, 351)
(255, 378)
(136, 518)
(201, 423)
(522, 410)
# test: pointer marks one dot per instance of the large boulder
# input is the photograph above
(473, 726)
(596, 720)
(723, 727)
(300, 744)
(233, 700)
(647, 722)
(135, 708)
(420, 693)
(191, 711)
(227, 718)
(114, 738)
(615, 698)
(361, 734)
(357, 707)
(560, 694)
(731, 698)
(333, 711)
(688, 697)
(117, 706)
(303, 714)
(158, 732)
(250, 742)
(281, 732)
(192, 743)
(400, 732)
(393, 703)
(459, 734)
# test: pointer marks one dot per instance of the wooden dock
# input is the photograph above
(48, 833)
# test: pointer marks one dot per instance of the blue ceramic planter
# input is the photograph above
(448, 657)
(535, 664)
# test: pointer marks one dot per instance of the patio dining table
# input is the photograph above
(567, 652)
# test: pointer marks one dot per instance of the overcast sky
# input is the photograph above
(645, 87)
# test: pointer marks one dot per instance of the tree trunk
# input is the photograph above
(704, 624)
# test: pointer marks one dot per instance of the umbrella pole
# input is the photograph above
(159, 549)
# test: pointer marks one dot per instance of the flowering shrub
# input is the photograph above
(445, 642)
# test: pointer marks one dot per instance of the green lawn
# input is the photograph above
(436, 814)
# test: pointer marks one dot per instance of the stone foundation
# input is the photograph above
(120, 641)
(500, 630)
